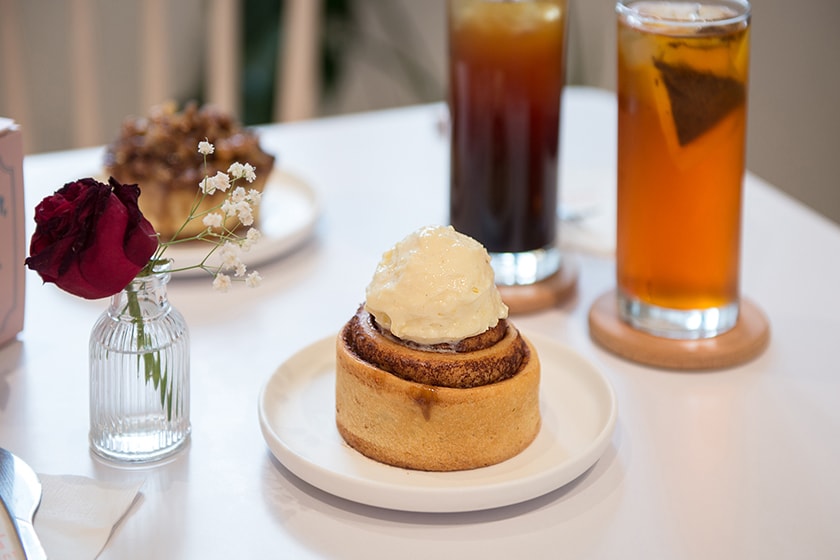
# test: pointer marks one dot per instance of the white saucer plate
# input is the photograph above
(297, 418)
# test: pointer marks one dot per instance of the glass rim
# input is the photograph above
(624, 8)
(161, 273)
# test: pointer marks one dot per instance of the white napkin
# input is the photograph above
(587, 198)
(78, 514)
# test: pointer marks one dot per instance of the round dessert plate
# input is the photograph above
(297, 418)
(289, 209)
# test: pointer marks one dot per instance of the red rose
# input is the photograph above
(90, 238)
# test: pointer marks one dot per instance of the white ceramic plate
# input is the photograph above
(297, 418)
(289, 209)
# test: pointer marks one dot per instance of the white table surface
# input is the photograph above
(739, 463)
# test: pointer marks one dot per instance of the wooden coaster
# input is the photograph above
(747, 339)
(543, 294)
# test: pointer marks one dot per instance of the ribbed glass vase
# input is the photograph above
(140, 374)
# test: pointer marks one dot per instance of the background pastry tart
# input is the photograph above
(159, 152)
(438, 407)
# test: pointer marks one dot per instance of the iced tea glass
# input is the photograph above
(506, 77)
(682, 110)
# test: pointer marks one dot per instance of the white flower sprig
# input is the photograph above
(222, 225)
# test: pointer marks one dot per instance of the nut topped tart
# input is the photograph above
(157, 152)
(430, 373)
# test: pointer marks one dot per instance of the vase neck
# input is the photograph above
(145, 295)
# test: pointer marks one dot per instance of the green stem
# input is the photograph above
(151, 360)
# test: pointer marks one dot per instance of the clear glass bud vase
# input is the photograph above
(140, 374)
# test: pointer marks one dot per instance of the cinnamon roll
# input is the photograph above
(450, 400)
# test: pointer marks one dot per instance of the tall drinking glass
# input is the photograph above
(682, 112)
(506, 77)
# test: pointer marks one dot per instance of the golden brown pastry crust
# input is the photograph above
(425, 427)
(159, 152)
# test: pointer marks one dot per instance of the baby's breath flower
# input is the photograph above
(230, 255)
(242, 171)
(207, 186)
(218, 182)
(250, 173)
(236, 170)
(205, 148)
(238, 195)
(254, 196)
(251, 237)
(213, 220)
(245, 213)
(221, 181)
(221, 282)
(227, 244)
(253, 280)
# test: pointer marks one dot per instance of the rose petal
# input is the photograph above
(91, 239)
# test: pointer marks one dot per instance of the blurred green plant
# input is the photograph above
(340, 35)
(260, 51)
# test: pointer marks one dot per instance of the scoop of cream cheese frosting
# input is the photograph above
(435, 286)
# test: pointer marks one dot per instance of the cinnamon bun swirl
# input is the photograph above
(441, 403)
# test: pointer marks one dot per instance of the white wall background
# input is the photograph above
(794, 119)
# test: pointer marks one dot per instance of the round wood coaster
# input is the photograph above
(747, 339)
(543, 294)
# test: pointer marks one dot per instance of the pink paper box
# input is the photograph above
(12, 242)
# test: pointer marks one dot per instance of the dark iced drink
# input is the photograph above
(506, 76)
